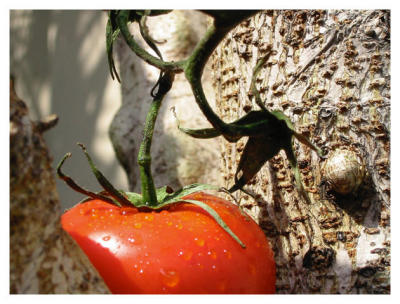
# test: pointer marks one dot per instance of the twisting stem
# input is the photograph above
(194, 69)
(144, 156)
(122, 21)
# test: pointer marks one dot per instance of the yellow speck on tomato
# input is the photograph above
(199, 241)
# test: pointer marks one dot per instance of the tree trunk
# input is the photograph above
(330, 74)
(43, 258)
(177, 159)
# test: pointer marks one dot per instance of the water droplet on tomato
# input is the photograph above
(227, 253)
(214, 267)
(179, 226)
(106, 238)
(199, 241)
(186, 255)
(149, 217)
(135, 240)
(170, 277)
(212, 254)
(127, 211)
(141, 271)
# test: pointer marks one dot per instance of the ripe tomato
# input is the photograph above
(177, 250)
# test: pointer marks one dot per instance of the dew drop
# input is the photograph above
(214, 267)
(186, 255)
(170, 277)
(135, 240)
(212, 254)
(149, 217)
(128, 211)
(199, 241)
(141, 271)
(106, 238)
(179, 226)
(227, 253)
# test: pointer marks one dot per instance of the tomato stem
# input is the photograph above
(144, 157)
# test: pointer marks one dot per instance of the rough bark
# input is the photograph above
(177, 159)
(331, 75)
(43, 259)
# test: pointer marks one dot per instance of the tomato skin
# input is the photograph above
(180, 250)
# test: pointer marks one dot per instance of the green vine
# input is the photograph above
(268, 131)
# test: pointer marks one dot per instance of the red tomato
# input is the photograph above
(178, 250)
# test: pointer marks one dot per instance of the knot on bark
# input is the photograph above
(318, 258)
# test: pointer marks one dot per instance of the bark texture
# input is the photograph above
(43, 259)
(177, 159)
(330, 74)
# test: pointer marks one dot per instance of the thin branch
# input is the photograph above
(194, 67)
(122, 21)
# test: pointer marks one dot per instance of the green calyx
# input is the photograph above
(165, 195)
